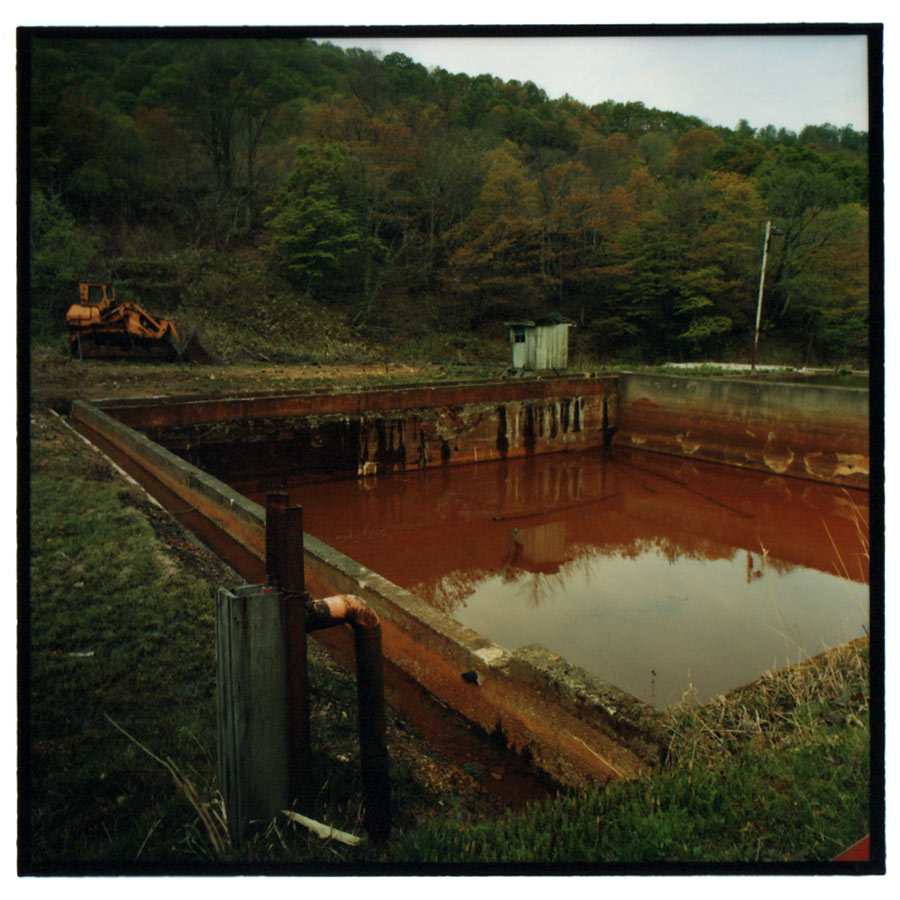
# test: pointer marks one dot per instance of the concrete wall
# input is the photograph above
(818, 433)
(577, 728)
(377, 431)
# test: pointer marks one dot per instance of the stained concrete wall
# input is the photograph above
(819, 433)
(376, 431)
(577, 728)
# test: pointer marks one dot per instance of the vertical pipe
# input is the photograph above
(294, 612)
(374, 760)
(276, 503)
(292, 570)
(372, 731)
(284, 567)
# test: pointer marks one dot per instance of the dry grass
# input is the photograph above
(778, 710)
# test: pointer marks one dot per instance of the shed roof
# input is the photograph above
(550, 319)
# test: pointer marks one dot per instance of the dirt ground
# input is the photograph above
(55, 377)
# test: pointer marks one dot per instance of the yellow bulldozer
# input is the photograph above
(99, 326)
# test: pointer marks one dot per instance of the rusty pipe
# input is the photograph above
(284, 543)
(339, 609)
(355, 612)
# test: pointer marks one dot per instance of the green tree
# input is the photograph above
(655, 147)
(316, 225)
(727, 245)
(694, 152)
(829, 285)
(59, 256)
(699, 294)
(799, 188)
(655, 254)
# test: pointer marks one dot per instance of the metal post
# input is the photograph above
(284, 566)
(374, 760)
(762, 278)
(300, 614)
(276, 503)
(293, 610)
(293, 576)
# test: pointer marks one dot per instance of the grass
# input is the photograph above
(112, 626)
(779, 772)
(122, 732)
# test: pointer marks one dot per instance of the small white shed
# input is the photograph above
(540, 344)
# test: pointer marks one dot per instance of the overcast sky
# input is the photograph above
(786, 81)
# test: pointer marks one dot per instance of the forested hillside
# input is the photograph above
(291, 197)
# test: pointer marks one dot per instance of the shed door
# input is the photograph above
(518, 348)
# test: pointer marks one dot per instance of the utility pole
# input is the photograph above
(762, 278)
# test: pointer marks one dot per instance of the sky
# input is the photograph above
(784, 80)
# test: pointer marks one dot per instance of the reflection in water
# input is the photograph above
(651, 572)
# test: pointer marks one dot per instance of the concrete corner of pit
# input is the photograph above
(625, 718)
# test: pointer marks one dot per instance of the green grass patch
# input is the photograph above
(114, 633)
(807, 803)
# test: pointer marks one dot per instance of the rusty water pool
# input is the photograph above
(660, 575)
(568, 585)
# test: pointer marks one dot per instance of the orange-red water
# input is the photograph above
(657, 574)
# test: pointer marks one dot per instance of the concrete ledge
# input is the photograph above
(577, 728)
(234, 513)
(805, 431)
(190, 410)
(323, 436)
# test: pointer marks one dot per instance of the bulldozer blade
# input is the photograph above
(192, 350)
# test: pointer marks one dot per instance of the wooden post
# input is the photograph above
(251, 707)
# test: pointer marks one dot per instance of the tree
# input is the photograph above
(799, 188)
(495, 272)
(508, 190)
(611, 159)
(693, 152)
(580, 226)
(829, 285)
(316, 223)
(448, 180)
(655, 255)
(728, 243)
(655, 147)
(59, 258)
(699, 293)
(224, 94)
(494, 266)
